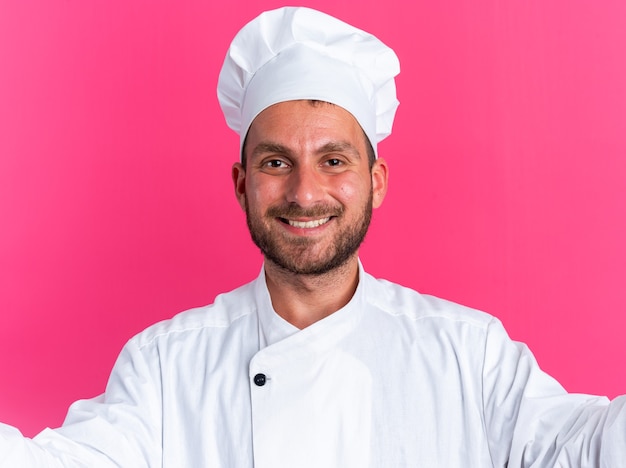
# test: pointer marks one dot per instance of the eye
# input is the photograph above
(334, 162)
(275, 164)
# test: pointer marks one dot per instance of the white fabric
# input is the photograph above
(299, 53)
(394, 379)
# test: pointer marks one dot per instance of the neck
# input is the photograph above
(304, 299)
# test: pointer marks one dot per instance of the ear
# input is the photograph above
(238, 175)
(380, 178)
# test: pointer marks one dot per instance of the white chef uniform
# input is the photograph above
(393, 379)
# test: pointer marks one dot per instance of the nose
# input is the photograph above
(304, 186)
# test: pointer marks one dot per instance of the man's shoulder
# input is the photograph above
(227, 310)
(401, 301)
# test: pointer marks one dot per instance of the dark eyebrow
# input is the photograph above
(330, 147)
(269, 147)
(339, 147)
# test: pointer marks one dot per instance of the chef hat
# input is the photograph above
(298, 53)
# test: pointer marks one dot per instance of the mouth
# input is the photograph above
(306, 224)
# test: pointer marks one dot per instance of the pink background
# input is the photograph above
(507, 191)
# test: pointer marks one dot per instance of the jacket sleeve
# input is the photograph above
(120, 428)
(531, 421)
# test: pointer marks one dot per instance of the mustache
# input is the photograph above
(295, 211)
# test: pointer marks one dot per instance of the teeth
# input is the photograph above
(308, 224)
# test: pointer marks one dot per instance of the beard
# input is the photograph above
(302, 255)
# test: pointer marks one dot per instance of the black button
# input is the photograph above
(260, 379)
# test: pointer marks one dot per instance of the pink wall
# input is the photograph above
(507, 185)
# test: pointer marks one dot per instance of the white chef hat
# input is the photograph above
(298, 53)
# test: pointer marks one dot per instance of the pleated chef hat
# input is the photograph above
(298, 53)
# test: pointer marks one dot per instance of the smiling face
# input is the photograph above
(307, 188)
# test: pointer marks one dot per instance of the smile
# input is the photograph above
(308, 224)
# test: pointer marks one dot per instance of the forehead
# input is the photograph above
(304, 124)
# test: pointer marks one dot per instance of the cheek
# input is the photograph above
(348, 192)
(353, 189)
(262, 193)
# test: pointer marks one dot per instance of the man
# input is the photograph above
(316, 363)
